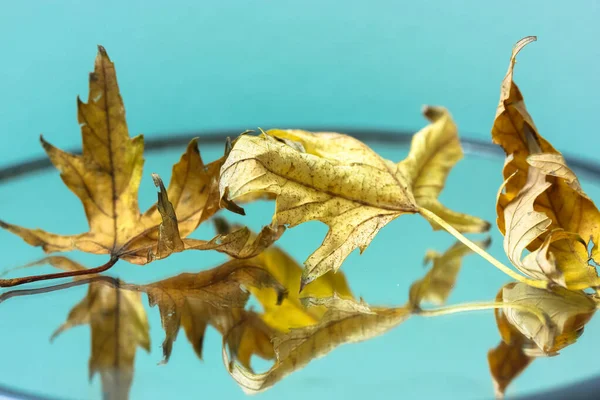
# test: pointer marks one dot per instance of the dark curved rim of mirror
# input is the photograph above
(157, 143)
(477, 147)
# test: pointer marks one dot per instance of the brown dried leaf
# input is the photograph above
(341, 182)
(559, 219)
(106, 179)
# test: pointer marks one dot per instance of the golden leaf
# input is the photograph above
(560, 220)
(346, 321)
(118, 325)
(106, 179)
(524, 337)
(341, 182)
(215, 297)
(435, 287)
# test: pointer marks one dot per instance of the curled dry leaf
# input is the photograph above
(435, 287)
(542, 206)
(215, 297)
(346, 321)
(106, 179)
(524, 337)
(341, 182)
(118, 325)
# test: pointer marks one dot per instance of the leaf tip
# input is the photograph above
(102, 51)
(304, 281)
(228, 146)
(519, 46)
(193, 145)
(158, 182)
(44, 143)
(486, 226)
(433, 113)
(229, 204)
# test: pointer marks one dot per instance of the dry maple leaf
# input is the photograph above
(542, 207)
(215, 297)
(346, 321)
(118, 325)
(340, 181)
(437, 284)
(525, 337)
(106, 179)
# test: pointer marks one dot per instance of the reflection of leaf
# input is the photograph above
(106, 178)
(506, 362)
(215, 297)
(290, 313)
(557, 220)
(524, 337)
(346, 321)
(568, 311)
(118, 325)
(435, 287)
(340, 181)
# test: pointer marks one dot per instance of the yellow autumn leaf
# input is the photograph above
(106, 179)
(556, 220)
(346, 321)
(341, 182)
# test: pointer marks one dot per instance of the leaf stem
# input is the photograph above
(508, 271)
(436, 312)
(67, 274)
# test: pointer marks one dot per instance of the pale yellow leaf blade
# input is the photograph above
(434, 150)
(524, 224)
(338, 180)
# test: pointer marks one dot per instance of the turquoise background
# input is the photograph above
(192, 65)
(189, 65)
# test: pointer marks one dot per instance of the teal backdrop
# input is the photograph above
(191, 65)
(200, 65)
